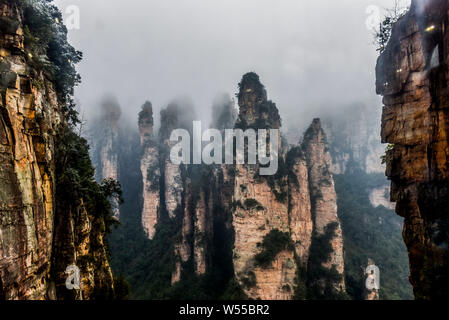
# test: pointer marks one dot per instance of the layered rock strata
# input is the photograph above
(39, 238)
(150, 168)
(412, 76)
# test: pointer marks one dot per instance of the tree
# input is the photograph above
(383, 34)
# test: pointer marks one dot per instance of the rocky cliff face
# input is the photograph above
(412, 75)
(178, 115)
(27, 179)
(107, 129)
(299, 199)
(323, 196)
(150, 167)
(300, 209)
(257, 210)
(155, 163)
(195, 242)
(229, 219)
(33, 227)
(183, 248)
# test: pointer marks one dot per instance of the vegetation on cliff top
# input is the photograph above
(383, 34)
(146, 114)
(45, 40)
(267, 114)
(251, 81)
(75, 178)
(273, 243)
(48, 51)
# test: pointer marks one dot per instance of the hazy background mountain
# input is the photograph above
(314, 56)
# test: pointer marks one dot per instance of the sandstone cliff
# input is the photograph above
(39, 235)
(257, 210)
(177, 115)
(300, 210)
(150, 168)
(232, 225)
(105, 145)
(197, 227)
(412, 75)
(323, 196)
(300, 198)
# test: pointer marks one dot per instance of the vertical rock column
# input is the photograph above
(257, 209)
(196, 233)
(323, 195)
(183, 248)
(203, 231)
(173, 117)
(111, 114)
(150, 167)
(300, 211)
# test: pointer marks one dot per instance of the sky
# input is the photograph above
(313, 56)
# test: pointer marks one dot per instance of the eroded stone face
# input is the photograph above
(250, 206)
(310, 203)
(151, 173)
(30, 117)
(28, 121)
(109, 163)
(251, 225)
(301, 223)
(412, 76)
(323, 195)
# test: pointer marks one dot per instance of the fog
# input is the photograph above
(312, 56)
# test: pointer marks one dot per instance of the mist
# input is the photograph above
(312, 56)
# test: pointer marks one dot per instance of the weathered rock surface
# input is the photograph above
(257, 210)
(26, 176)
(412, 75)
(177, 115)
(301, 222)
(235, 204)
(150, 168)
(277, 281)
(251, 225)
(197, 229)
(109, 124)
(183, 249)
(322, 194)
(202, 226)
(32, 229)
(173, 187)
(79, 239)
